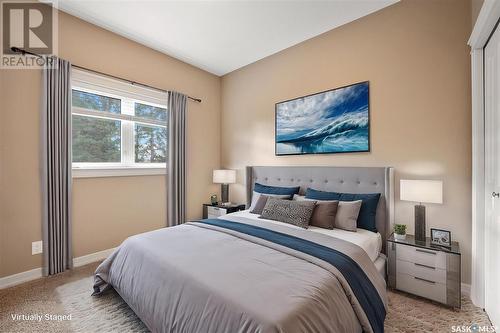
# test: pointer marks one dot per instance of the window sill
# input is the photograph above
(116, 172)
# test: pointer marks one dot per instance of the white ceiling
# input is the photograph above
(220, 36)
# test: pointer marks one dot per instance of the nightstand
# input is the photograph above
(425, 270)
(214, 211)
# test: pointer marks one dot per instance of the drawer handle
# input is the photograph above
(424, 251)
(428, 281)
(426, 266)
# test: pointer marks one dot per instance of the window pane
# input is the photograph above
(96, 102)
(150, 144)
(150, 112)
(96, 139)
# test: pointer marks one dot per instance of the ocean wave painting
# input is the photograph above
(335, 121)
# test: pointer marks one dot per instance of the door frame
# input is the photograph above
(484, 27)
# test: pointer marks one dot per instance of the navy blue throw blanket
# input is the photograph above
(361, 286)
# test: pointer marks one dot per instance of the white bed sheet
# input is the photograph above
(369, 241)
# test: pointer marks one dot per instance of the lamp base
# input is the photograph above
(420, 223)
(224, 193)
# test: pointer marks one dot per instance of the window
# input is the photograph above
(118, 128)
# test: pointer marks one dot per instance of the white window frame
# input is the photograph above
(129, 95)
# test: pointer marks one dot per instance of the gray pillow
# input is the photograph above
(347, 215)
(260, 204)
(324, 213)
(292, 212)
(257, 195)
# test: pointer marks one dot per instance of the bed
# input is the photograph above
(370, 242)
(240, 273)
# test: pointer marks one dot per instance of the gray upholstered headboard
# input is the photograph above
(336, 179)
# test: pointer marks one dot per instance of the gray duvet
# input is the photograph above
(203, 278)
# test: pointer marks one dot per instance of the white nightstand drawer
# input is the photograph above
(426, 257)
(422, 271)
(214, 212)
(421, 287)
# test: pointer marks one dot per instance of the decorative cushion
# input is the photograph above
(322, 195)
(324, 213)
(288, 211)
(347, 215)
(267, 189)
(367, 213)
(260, 204)
(298, 197)
(256, 196)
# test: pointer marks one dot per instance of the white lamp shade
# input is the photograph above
(429, 191)
(224, 176)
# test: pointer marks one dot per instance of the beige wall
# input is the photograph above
(105, 210)
(20, 204)
(413, 53)
(415, 56)
(475, 9)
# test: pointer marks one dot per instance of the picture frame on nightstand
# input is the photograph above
(441, 237)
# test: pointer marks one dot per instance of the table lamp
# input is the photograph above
(224, 177)
(421, 191)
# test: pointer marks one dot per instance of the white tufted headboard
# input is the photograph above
(335, 179)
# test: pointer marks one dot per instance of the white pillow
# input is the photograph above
(256, 195)
(297, 197)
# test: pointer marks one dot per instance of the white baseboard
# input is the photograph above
(466, 290)
(15, 279)
(93, 257)
(12, 280)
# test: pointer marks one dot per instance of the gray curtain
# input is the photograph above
(176, 172)
(56, 166)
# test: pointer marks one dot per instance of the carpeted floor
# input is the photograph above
(69, 293)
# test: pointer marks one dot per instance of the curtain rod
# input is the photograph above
(24, 52)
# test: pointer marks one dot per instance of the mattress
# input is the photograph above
(369, 241)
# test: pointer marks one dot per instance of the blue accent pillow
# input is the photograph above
(322, 195)
(267, 189)
(367, 213)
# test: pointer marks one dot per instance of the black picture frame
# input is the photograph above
(322, 153)
(436, 240)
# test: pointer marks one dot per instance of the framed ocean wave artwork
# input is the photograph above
(333, 121)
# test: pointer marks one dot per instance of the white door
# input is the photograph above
(492, 172)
